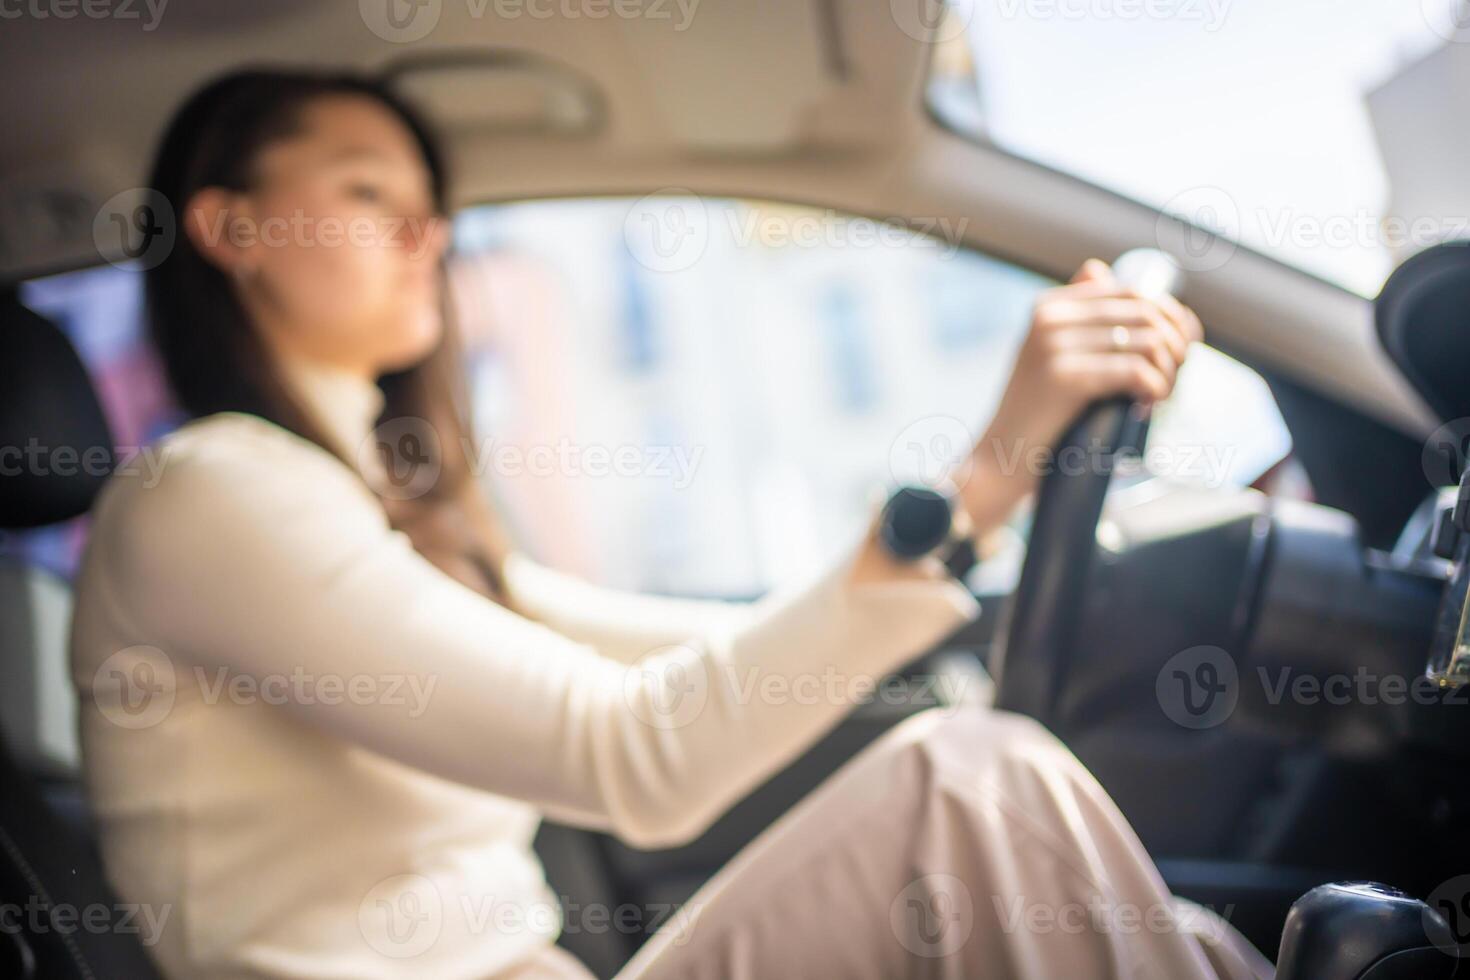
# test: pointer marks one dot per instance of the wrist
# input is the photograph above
(998, 477)
(875, 563)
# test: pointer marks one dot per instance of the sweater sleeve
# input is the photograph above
(268, 558)
(620, 624)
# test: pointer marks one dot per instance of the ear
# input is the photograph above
(219, 224)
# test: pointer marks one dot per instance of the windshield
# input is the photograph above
(1324, 133)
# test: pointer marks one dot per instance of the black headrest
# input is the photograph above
(1423, 317)
(55, 447)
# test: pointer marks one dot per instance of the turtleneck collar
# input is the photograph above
(344, 403)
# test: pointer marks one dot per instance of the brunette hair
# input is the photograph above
(216, 359)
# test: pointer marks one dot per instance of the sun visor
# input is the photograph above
(501, 94)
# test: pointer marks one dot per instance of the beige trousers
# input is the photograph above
(964, 844)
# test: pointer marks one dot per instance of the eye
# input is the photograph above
(365, 192)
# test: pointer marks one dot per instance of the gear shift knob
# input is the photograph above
(1359, 931)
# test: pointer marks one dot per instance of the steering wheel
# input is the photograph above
(1039, 632)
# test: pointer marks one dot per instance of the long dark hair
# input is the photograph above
(215, 357)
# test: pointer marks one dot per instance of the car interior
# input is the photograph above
(1322, 827)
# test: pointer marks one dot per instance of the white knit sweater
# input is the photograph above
(315, 755)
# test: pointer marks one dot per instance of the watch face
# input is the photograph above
(916, 520)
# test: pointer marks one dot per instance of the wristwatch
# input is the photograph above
(918, 521)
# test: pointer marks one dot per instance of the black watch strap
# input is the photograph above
(963, 558)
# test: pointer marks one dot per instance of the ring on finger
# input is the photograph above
(1122, 337)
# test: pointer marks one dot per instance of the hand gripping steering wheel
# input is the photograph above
(1038, 636)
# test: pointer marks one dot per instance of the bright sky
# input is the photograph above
(1262, 99)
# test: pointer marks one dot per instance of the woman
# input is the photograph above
(324, 706)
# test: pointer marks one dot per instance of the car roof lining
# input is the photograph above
(810, 101)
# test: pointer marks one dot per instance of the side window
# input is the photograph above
(701, 396)
(692, 395)
(688, 395)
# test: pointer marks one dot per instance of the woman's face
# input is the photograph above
(336, 248)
